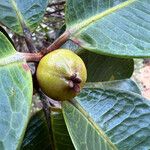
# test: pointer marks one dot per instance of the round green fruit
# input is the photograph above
(61, 74)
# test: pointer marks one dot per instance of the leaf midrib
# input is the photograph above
(16, 57)
(18, 13)
(78, 27)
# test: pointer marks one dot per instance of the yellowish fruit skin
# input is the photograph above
(54, 71)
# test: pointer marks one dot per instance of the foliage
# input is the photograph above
(110, 112)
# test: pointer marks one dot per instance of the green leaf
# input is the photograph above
(61, 137)
(15, 96)
(122, 115)
(6, 48)
(37, 134)
(19, 15)
(84, 133)
(124, 85)
(119, 28)
(104, 68)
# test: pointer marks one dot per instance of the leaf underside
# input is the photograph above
(123, 116)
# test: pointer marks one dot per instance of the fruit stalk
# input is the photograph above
(57, 43)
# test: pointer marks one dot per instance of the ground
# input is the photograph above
(142, 76)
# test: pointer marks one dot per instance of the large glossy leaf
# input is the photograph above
(104, 68)
(114, 27)
(61, 136)
(122, 115)
(37, 134)
(125, 85)
(15, 96)
(84, 133)
(19, 14)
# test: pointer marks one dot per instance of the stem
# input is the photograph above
(30, 46)
(36, 57)
(57, 43)
(32, 57)
(28, 40)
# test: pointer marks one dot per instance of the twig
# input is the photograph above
(57, 43)
(31, 57)
(35, 57)
(28, 40)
